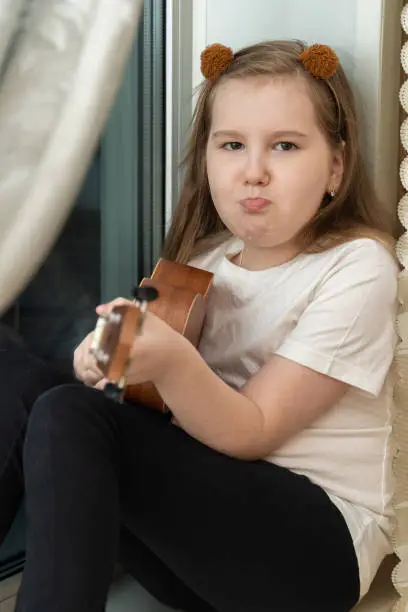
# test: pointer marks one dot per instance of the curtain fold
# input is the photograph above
(63, 70)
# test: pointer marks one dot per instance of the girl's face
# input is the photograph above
(268, 163)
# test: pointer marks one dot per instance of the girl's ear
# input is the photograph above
(337, 170)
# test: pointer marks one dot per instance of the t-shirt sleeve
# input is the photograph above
(348, 329)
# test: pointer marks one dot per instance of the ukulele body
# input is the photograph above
(182, 292)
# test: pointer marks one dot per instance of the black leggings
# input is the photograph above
(201, 531)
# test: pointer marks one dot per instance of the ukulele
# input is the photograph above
(176, 293)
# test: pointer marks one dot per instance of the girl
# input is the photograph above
(270, 487)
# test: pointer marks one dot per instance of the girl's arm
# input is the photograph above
(279, 401)
(345, 337)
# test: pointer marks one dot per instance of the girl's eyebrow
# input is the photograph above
(276, 134)
(227, 133)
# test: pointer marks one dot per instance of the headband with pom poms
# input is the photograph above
(215, 60)
(320, 61)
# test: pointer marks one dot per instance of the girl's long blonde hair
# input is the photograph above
(354, 212)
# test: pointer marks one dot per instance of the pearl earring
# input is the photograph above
(333, 193)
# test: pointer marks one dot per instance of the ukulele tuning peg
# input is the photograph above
(145, 294)
(100, 355)
(113, 392)
(115, 317)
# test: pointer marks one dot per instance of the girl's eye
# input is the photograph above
(232, 146)
(285, 146)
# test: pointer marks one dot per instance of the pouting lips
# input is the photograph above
(254, 205)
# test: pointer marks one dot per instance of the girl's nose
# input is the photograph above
(256, 171)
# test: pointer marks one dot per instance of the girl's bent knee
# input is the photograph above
(62, 405)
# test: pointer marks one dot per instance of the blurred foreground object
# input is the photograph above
(61, 65)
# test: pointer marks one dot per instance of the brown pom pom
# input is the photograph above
(215, 59)
(320, 60)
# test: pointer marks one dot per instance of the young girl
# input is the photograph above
(269, 487)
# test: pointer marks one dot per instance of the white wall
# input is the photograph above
(242, 22)
(366, 35)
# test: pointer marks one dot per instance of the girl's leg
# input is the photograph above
(72, 469)
(240, 535)
(150, 571)
(22, 379)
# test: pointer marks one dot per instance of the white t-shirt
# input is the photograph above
(333, 312)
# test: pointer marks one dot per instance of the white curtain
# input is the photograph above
(61, 65)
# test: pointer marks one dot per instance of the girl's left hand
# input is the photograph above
(155, 351)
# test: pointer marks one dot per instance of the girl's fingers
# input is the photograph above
(100, 385)
(91, 377)
(107, 308)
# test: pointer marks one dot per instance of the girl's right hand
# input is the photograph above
(85, 366)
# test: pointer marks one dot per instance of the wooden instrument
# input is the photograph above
(177, 294)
